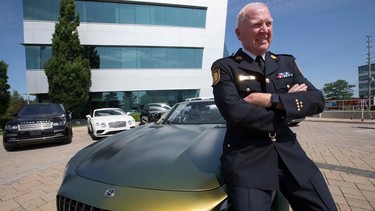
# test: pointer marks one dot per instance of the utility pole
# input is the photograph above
(369, 71)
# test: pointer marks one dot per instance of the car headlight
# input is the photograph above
(11, 127)
(102, 124)
(58, 123)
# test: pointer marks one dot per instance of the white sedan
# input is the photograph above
(108, 121)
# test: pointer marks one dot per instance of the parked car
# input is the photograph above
(38, 123)
(172, 164)
(108, 121)
(152, 112)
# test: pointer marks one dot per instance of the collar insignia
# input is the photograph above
(273, 57)
(238, 58)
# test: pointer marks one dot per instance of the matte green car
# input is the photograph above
(172, 164)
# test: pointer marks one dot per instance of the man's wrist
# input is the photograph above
(275, 100)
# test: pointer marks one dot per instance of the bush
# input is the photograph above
(136, 116)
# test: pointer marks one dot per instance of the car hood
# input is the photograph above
(40, 117)
(163, 157)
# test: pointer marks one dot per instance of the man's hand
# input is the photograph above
(264, 99)
(298, 88)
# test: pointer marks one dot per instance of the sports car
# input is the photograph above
(172, 164)
(108, 121)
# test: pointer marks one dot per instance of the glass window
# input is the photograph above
(187, 58)
(81, 10)
(173, 57)
(32, 57)
(198, 53)
(142, 14)
(113, 57)
(144, 58)
(108, 12)
(157, 15)
(186, 17)
(124, 13)
(129, 57)
(127, 13)
(124, 57)
(172, 16)
(198, 18)
(159, 56)
(93, 12)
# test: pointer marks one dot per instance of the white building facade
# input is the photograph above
(139, 51)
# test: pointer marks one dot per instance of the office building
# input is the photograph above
(139, 51)
(363, 81)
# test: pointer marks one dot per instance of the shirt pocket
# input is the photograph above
(247, 87)
(283, 85)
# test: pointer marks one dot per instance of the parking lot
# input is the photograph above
(345, 153)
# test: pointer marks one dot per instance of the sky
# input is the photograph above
(328, 37)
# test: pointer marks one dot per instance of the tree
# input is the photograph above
(68, 72)
(15, 104)
(338, 90)
(4, 88)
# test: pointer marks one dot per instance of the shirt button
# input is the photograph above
(267, 80)
(248, 89)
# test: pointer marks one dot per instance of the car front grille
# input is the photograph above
(117, 124)
(66, 204)
(38, 125)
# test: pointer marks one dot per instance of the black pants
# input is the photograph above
(314, 195)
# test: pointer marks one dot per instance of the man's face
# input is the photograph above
(255, 30)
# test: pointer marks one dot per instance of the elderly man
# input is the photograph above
(256, 91)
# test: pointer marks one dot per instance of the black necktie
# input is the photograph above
(260, 62)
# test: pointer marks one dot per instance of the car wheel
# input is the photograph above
(70, 136)
(10, 148)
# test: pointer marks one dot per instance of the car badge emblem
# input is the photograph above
(109, 193)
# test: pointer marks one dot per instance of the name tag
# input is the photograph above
(246, 77)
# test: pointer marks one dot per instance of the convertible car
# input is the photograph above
(172, 164)
(108, 121)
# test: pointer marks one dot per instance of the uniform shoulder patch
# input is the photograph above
(215, 72)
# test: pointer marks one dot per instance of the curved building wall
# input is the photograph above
(210, 38)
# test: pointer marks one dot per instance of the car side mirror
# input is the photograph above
(88, 116)
(70, 114)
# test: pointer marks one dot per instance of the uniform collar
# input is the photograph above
(247, 62)
(253, 56)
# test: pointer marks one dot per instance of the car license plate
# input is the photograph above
(35, 132)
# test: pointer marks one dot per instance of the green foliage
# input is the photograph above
(4, 88)
(338, 90)
(136, 116)
(68, 72)
(15, 104)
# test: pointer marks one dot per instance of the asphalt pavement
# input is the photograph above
(343, 149)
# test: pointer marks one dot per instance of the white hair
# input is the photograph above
(243, 11)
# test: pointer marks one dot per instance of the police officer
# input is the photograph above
(256, 91)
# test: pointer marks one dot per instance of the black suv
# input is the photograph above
(38, 123)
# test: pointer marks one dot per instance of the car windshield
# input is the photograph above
(194, 112)
(109, 112)
(41, 109)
